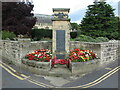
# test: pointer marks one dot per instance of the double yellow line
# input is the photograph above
(99, 80)
(11, 71)
(22, 76)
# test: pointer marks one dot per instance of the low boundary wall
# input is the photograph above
(14, 51)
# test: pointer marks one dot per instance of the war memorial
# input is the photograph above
(58, 63)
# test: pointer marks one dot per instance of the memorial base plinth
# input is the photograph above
(84, 67)
(75, 68)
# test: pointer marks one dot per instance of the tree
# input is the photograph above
(17, 17)
(76, 30)
(74, 26)
(100, 21)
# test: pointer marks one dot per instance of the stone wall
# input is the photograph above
(107, 51)
(15, 50)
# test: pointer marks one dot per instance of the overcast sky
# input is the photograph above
(77, 7)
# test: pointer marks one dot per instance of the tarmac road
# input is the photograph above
(106, 77)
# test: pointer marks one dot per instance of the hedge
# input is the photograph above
(7, 35)
(38, 34)
(90, 39)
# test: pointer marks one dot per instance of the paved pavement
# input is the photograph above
(10, 81)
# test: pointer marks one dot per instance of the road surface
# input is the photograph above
(106, 77)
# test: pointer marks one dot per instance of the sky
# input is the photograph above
(77, 7)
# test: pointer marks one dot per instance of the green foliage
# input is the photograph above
(72, 39)
(7, 34)
(73, 35)
(38, 34)
(46, 39)
(17, 17)
(100, 21)
(46, 34)
(85, 38)
(101, 39)
(74, 26)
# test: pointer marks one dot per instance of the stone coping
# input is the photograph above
(40, 41)
(70, 41)
(60, 19)
(95, 42)
(87, 62)
(61, 9)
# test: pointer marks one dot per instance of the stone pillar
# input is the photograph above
(61, 32)
(24, 44)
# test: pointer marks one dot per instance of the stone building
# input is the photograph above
(43, 21)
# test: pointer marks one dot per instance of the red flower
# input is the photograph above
(40, 56)
(75, 55)
(30, 58)
(79, 53)
(76, 49)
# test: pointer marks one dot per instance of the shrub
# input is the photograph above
(46, 39)
(85, 38)
(73, 35)
(38, 34)
(90, 39)
(7, 34)
(101, 39)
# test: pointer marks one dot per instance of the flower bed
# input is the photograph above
(82, 61)
(78, 61)
(78, 55)
(39, 59)
(42, 55)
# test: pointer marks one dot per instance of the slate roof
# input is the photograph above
(43, 18)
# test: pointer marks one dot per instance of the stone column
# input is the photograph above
(24, 44)
(61, 32)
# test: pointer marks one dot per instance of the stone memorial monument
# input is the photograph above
(61, 32)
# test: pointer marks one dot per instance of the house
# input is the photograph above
(43, 21)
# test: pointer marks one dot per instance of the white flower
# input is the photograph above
(35, 54)
(39, 55)
(75, 54)
(86, 55)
